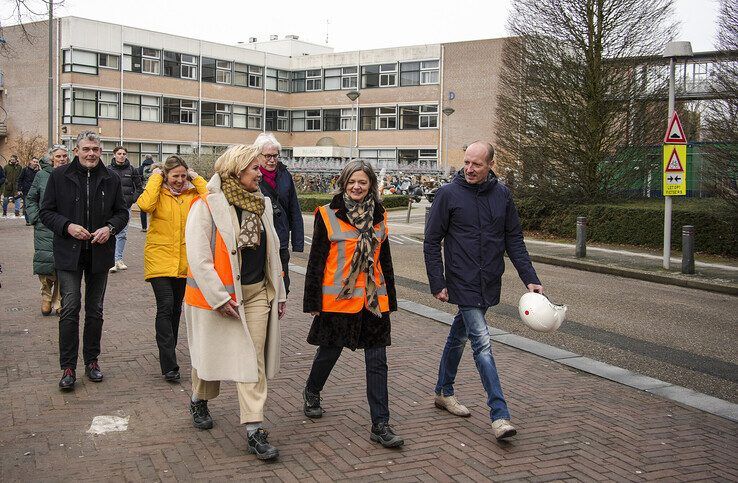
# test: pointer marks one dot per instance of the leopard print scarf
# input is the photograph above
(252, 205)
(361, 215)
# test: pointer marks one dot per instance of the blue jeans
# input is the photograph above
(16, 203)
(470, 324)
(120, 240)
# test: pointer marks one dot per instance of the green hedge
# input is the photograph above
(310, 201)
(639, 223)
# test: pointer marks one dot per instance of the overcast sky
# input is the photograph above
(349, 25)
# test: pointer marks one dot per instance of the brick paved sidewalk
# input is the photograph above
(571, 425)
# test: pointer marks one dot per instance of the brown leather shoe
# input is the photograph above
(46, 307)
(452, 405)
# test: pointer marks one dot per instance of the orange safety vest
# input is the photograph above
(343, 237)
(222, 264)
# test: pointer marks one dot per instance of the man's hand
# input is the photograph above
(281, 309)
(442, 295)
(101, 235)
(78, 232)
(532, 287)
(229, 309)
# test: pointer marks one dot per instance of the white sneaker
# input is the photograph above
(121, 265)
(503, 429)
(114, 268)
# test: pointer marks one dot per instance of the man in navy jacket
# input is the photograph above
(476, 218)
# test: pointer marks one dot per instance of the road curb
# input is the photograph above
(636, 274)
(679, 394)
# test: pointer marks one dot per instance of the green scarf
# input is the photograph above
(361, 215)
(252, 205)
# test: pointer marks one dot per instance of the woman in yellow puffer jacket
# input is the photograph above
(167, 198)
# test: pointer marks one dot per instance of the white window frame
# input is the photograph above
(349, 77)
(150, 61)
(428, 115)
(222, 113)
(129, 101)
(188, 68)
(187, 111)
(239, 119)
(388, 75)
(223, 74)
(313, 120)
(387, 118)
(298, 116)
(107, 101)
(255, 118)
(108, 57)
(255, 77)
(283, 120)
(334, 75)
(347, 120)
(150, 109)
(313, 80)
(429, 72)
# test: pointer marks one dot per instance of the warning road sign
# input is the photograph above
(675, 170)
(675, 132)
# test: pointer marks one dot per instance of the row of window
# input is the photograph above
(378, 157)
(85, 106)
(185, 66)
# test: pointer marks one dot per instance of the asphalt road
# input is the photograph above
(683, 336)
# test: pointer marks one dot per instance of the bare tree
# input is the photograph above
(21, 12)
(574, 104)
(721, 116)
(27, 145)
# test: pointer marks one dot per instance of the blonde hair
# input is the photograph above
(235, 159)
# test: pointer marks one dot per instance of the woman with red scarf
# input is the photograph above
(277, 184)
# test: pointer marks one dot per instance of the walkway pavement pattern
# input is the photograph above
(572, 425)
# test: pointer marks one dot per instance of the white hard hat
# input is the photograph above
(539, 313)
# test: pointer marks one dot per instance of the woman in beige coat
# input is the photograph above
(235, 295)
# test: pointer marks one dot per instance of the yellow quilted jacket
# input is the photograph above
(165, 252)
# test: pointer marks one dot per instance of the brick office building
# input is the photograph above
(161, 94)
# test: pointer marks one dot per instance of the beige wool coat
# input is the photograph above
(221, 348)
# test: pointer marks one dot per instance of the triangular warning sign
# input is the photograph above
(675, 132)
(674, 163)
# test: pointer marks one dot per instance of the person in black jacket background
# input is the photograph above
(477, 221)
(130, 179)
(26, 180)
(144, 171)
(277, 184)
(83, 205)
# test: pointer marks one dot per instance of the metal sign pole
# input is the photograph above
(667, 199)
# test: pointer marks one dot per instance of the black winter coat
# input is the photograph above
(26, 180)
(477, 224)
(287, 213)
(362, 330)
(66, 201)
(130, 179)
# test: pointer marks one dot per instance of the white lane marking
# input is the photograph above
(107, 424)
(632, 254)
(412, 240)
(394, 239)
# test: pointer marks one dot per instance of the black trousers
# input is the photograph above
(70, 288)
(143, 220)
(284, 256)
(376, 377)
(169, 292)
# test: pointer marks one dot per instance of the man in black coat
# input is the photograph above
(130, 179)
(477, 221)
(83, 206)
(26, 180)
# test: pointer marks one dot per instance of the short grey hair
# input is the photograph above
(266, 139)
(57, 147)
(88, 136)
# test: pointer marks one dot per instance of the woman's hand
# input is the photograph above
(281, 309)
(156, 171)
(192, 174)
(229, 309)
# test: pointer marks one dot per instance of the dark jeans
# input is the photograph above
(70, 287)
(284, 256)
(376, 377)
(169, 292)
(144, 224)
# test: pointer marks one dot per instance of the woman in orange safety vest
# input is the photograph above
(350, 290)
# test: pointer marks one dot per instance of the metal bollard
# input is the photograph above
(581, 247)
(409, 208)
(427, 214)
(688, 249)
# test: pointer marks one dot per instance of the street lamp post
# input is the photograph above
(447, 111)
(354, 96)
(672, 51)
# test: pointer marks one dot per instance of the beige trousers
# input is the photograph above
(50, 290)
(251, 396)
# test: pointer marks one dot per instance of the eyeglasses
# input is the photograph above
(275, 157)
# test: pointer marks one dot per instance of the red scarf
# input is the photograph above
(269, 176)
